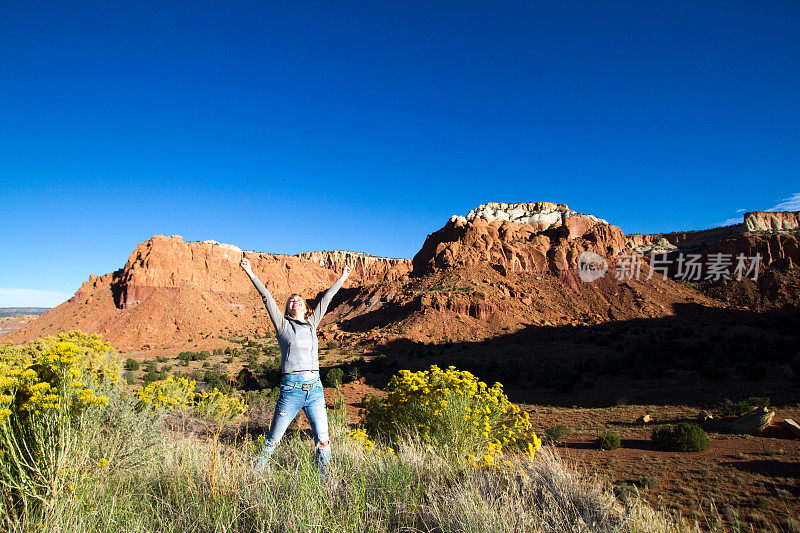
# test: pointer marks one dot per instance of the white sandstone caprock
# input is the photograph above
(543, 215)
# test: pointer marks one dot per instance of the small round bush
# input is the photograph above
(683, 437)
(334, 377)
(609, 441)
(131, 364)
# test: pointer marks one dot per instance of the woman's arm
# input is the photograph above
(269, 302)
(322, 306)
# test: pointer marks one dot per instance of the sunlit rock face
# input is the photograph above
(521, 237)
(364, 266)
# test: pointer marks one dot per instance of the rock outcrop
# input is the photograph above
(541, 215)
(171, 291)
(772, 237)
(755, 223)
(772, 221)
(170, 263)
(365, 267)
(531, 237)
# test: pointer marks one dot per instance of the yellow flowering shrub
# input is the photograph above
(218, 406)
(359, 435)
(63, 372)
(45, 385)
(179, 394)
(167, 393)
(454, 410)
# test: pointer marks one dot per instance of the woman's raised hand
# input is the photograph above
(245, 264)
(346, 272)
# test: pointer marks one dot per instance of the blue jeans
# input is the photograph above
(293, 398)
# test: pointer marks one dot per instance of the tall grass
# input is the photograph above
(131, 474)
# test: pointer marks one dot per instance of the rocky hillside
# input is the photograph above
(503, 267)
(772, 236)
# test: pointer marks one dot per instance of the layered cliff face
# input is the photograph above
(754, 224)
(772, 237)
(172, 292)
(365, 267)
(772, 221)
(170, 263)
(531, 237)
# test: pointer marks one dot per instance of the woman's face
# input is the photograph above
(297, 306)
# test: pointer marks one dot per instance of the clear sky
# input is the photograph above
(294, 126)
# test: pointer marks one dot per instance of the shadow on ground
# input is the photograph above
(698, 356)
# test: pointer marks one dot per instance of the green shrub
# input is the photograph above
(761, 502)
(331, 345)
(683, 437)
(625, 491)
(334, 377)
(150, 377)
(131, 364)
(729, 408)
(161, 359)
(215, 379)
(609, 441)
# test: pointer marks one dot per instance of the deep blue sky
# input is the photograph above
(293, 126)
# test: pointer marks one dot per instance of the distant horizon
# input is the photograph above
(305, 127)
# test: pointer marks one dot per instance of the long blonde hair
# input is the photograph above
(289, 299)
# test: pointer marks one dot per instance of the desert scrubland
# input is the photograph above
(592, 357)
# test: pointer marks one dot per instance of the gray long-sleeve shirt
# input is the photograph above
(297, 338)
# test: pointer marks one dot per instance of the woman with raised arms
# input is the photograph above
(300, 386)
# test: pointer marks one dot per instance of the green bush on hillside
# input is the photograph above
(683, 437)
(334, 377)
(609, 441)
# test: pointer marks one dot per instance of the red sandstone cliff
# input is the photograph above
(772, 236)
(516, 247)
(365, 267)
(171, 291)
